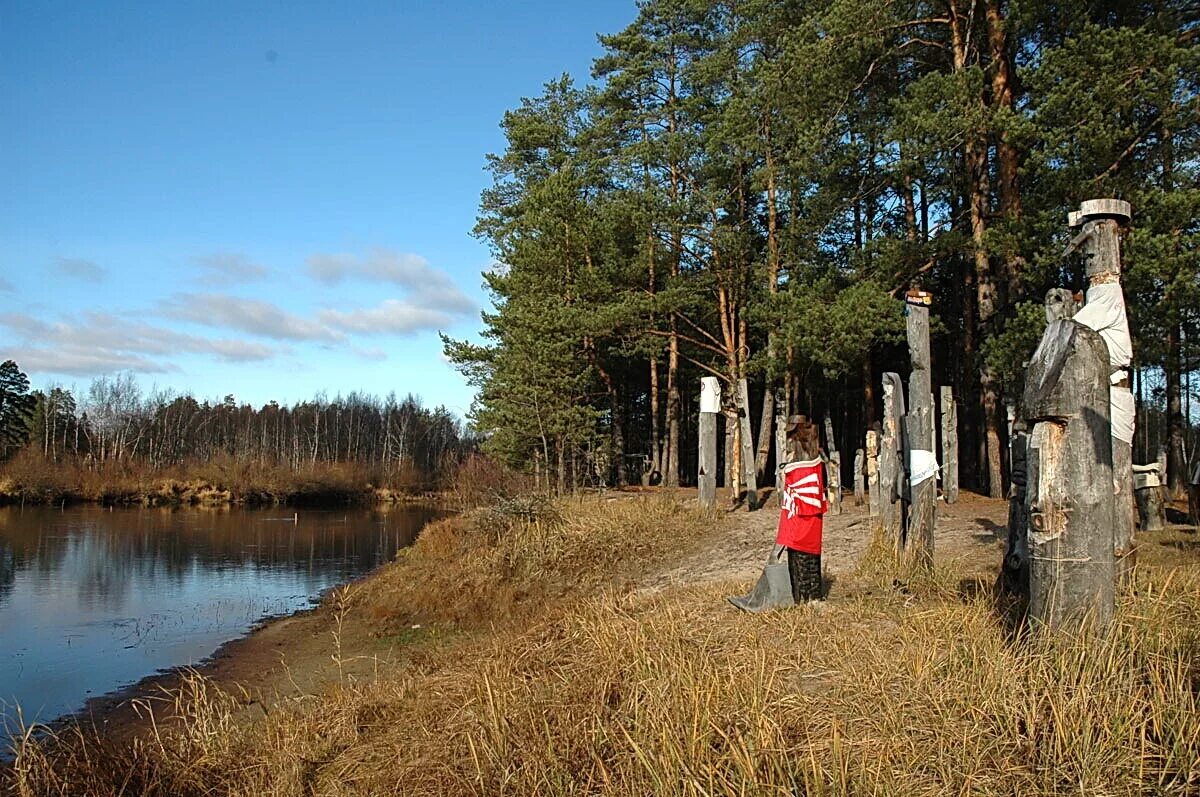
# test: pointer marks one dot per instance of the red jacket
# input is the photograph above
(804, 504)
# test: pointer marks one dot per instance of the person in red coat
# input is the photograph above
(803, 504)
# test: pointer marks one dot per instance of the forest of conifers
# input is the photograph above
(747, 187)
(115, 422)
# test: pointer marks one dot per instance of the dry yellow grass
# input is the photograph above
(625, 692)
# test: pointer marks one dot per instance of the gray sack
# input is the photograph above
(774, 587)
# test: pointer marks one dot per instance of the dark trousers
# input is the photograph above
(805, 571)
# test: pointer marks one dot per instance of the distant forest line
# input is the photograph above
(746, 190)
(116, 427)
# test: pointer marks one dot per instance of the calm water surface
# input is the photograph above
(92, 600)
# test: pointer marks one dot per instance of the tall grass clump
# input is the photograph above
(512, 559)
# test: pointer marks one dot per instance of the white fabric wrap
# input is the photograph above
(922, 465)
(710, 394)
(1121, 407)
(1104, 311)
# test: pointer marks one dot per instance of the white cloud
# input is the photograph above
(245, 315)
(78, 362)
(424, 284)
(81, 269)
(231, 267)
(331, 269)
(100, 343)
(370, 353)
(239, 351)
(390, 316)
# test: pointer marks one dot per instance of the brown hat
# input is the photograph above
(793, 423)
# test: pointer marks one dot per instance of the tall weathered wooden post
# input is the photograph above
(873, 472)
(781, 457)
(949, 445)
(749, 473)
(891, 460)
(1069, 483)
(859, 477)
(710, 406)
(833, 469)
(1099, 240)
(922, 464)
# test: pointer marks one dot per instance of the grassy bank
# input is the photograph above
(32, 479)
(538, 665)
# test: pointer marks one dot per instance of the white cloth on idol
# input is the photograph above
(1104, 311)
(922, 465)
(710, 394)
(1121, 409)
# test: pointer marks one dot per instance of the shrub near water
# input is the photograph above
(626, 692)
(31, 478)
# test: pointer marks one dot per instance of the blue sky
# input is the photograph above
(262, 199)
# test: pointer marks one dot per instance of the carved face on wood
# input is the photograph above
(804, 441)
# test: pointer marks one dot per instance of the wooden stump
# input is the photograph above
(1069, 493)
(1147, 490)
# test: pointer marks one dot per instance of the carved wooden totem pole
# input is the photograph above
(1069, 484)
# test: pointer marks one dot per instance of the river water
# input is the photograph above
(92, 600)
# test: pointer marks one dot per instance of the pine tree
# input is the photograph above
(16, 408)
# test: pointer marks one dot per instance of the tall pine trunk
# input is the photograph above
(766, 421)
(975, 155)
(655, 430)
(1176, 441)
(652, 287)
(1007, 157)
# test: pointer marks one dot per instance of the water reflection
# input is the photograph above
(92, 599)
